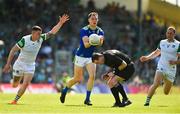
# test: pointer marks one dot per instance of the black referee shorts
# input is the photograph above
(127, 72)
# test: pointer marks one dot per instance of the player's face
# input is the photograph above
(170, 33)
(36, 35)
(96, 62)
(93, 20)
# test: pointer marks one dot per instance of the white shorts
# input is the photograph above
(82, 61)
(20, 68)
(167, 73)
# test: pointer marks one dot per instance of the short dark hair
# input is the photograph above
(36, 28)
(96, 56)
(104, 76)
(92, 14)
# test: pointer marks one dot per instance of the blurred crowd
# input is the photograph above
(119, 24)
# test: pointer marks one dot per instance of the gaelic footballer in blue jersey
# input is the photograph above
(29, 45)
(83, 57)
(169, 51)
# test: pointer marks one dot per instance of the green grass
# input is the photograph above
(49, 104)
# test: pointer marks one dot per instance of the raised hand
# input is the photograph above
(63, 19)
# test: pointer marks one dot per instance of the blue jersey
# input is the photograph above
(86, 31)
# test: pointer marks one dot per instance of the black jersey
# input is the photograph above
(114, 58)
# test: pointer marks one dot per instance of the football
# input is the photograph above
(94, 39)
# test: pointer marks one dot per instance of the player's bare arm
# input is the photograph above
(152, 55)
(7, 67)
(86, 42)
(62, 19)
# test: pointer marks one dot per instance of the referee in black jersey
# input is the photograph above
(123, 69)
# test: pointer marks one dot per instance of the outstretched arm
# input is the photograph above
(150, 56)
(56, 28)
(7, 67)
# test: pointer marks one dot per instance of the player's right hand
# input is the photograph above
(64, 18)
(143, 58)
(6, 68)
(101, 40)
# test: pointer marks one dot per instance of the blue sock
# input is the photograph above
(65, 90)
(88, 93)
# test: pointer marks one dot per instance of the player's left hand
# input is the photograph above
(63, 19)
(101, 41)
(107, 76)
(7, 68)
(143, 58)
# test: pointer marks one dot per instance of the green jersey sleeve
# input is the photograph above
(21, 43)
(158, 47)
(178, 51)
(44, 36)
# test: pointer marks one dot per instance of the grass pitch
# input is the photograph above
(50, 104)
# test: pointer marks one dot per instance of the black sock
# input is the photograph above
(115, 94)
(121, 90)
(17, 98)
(148, 99)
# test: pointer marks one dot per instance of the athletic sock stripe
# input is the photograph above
(148, 99)
(17, 98)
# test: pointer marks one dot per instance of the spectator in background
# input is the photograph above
(91, 5)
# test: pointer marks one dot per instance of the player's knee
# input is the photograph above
(91, 77)
(111, 84)
(25, 85)
(14, 85)
(156, 85)
(77, 80)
